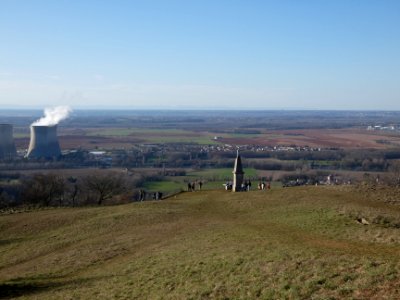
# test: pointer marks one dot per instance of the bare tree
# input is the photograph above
(73, 189)
(43, 189)
(104, 185)
(5, 200)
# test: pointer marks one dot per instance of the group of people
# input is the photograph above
(191, 186)
(246, 185)
(142, 195)
(262, 186)
(155, 196)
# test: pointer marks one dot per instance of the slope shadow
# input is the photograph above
(9, 241)
(29, 285)
(17, 289)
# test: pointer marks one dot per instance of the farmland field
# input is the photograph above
(109, 138)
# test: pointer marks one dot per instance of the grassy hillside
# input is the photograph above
(295, 243)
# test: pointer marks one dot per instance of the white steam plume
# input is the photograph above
(53, 115)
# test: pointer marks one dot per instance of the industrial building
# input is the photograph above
(7, 146)
(44, 142)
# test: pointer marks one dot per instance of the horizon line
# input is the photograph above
(248, 109)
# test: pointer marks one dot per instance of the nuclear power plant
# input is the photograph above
(44, 142)
(7, 146)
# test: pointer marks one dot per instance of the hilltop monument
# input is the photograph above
(238, 174)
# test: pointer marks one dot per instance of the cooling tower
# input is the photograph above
(44, 142)
(7, 146)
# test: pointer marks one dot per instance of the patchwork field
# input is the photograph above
(294, 243)
(325, 138)
(108, 138)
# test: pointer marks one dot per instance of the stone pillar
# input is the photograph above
(238, 174)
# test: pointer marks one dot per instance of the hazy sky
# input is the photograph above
(277, 54)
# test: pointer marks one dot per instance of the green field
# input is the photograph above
(160, 135)
(293, 243)
(220, 174)
(166, 186)
(213, 179)
(157, 135)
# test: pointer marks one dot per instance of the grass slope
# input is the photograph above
(296, 243)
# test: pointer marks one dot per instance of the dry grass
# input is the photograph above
(295, 243)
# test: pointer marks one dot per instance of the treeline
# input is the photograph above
(50, 189)
(350, 160)
(196, 157)
(354, 160)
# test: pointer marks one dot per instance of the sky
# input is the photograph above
(219, 54)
